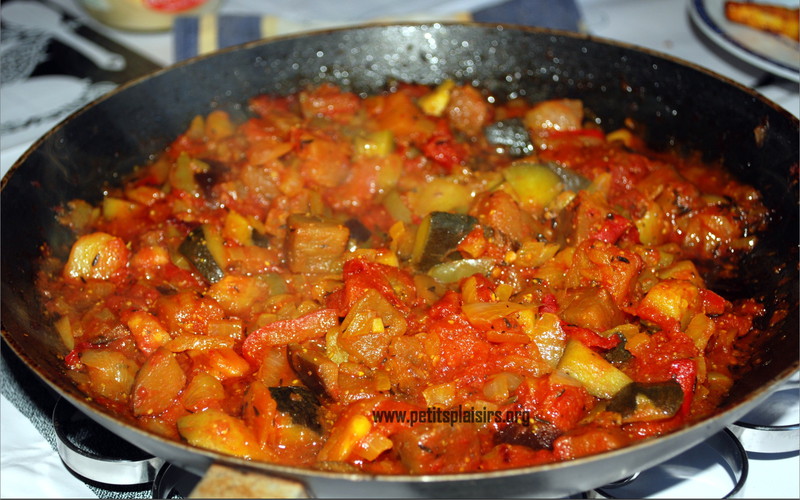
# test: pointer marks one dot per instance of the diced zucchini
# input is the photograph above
(652, 226)
(682, 270)
(238, 294)
(215, 430)
(532, 184)
(181, 174)
(442, 194)
(396, 207)
(591, 307)
(111, 373)
(535, 253)
(369, 327)
(218, 125)
(148, 333)
(438, 235)
(158, 384)
(671, 300)
(599, 377)
(700, 330)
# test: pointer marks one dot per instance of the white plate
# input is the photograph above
(776, 54)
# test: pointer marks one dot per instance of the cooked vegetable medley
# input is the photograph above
(428, 280)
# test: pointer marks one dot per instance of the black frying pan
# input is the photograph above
(674, 105)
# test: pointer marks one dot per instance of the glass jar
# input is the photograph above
(145, 15)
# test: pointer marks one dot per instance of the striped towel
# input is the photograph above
(196, 35)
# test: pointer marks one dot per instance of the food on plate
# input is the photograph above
(425, 280)
(777, 19)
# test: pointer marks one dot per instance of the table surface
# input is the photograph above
(28, 464)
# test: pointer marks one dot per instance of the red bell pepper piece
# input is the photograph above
(443, 148)
(712, 303)
(360, 275)
(591, 339)
(549, 304)
(312, 325)
(614, 228)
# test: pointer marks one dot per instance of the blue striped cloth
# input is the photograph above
(195, 35)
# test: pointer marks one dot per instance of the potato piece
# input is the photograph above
(96, 256)
(315, 245)
(158, 384)
(599, 377)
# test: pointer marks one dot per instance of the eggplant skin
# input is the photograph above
(195, 249)
(536, 437)
(300, 403)
(666, 398)
(438, 235)
(511, 134)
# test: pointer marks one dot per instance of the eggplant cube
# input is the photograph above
(315, 245)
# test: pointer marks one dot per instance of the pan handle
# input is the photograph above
(226, 481)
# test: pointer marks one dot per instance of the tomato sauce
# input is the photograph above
(423, 281)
